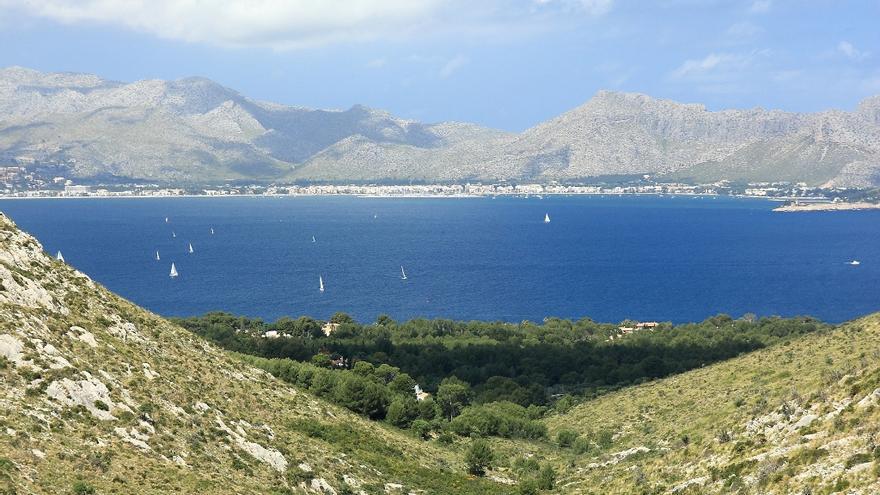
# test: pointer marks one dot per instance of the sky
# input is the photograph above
(508, 64)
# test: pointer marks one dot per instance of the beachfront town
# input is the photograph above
(15, 183)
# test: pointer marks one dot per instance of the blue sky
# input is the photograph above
(503, 63)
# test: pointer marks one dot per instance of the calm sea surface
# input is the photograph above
(608, 258)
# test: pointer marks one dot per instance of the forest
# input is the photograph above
(482, 378)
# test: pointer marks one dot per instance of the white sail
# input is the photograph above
(173, 271)
(190, 248)
(59, 257)
(157, 256)
(320, 283)
(546, 218)
(402, 274)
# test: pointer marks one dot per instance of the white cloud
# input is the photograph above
(717, 67)
(453, 65)
(286, 24)
(851, 52)
(699, 66)
(592, 7)
(760, 6)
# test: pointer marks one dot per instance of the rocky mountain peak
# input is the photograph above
(870, 108)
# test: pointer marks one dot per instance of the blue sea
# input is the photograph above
(608, 258)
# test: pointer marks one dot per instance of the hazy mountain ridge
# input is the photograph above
(196, 130)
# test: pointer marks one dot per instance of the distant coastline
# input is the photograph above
(762, 191)
(838, 206)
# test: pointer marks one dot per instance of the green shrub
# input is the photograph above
(546, 477)
(581, 446)
(446, 438)
(83, 488)
(361, 395)
(807, 456)
(523, 465)
(402, 411)
(566, 438)
(421, 428)
(603, 438)
(428, 409)
(528, 487)
(503, 419)
(479, 458)
(856, 459)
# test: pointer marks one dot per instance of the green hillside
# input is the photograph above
(801, 417)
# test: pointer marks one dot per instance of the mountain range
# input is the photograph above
(196, 131)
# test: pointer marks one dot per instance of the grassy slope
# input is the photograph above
(779, 420)
(203, 422)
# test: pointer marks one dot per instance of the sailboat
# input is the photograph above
(313, 239)
(191, 248)
(320, 283)
(59, 257)
(546, 218)
(173, 273)
(157, 256)
(402, 273)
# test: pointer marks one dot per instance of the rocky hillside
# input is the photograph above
(196, 130)
(100, 396)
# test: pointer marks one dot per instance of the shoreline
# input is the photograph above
(858, 206)
(415, 196)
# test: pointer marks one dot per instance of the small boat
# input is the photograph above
(173, 234)
(546, 218)
(191, 248)
(320, 283)
(173, 273)
(166, 219)
(402, 274)
(59, 257)
(157, 256)
(212, 230)
(853, 262)
(313, 239)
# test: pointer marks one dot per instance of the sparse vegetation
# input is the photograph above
(479, 458)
